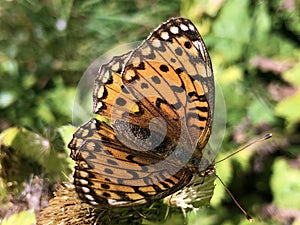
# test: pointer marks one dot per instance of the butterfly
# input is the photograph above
(158, 105)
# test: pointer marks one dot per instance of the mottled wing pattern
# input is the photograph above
(109, 96)
(114, 101)
(109, 173)
(164, 88)
(110, 91)
(174, 66)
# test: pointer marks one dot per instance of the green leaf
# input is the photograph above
(292, 75)
(262, 21)
(289, 109)
(232, 29)
(24, 218)
(260, 112)
(29, 152)
(285, 185)
(8, 135)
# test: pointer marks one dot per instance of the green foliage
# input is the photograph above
(45, 47)
(32, 153)
(291, 103)
(24, 218)
(285, 184)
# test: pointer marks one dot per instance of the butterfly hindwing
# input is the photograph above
(109, 173)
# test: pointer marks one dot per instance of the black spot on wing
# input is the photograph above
(187, 44)
(141, 66)
(105, 186)
(179, 71)
(164, 68)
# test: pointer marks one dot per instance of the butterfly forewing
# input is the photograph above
(114, 101)
(173, 63)
(159, 99)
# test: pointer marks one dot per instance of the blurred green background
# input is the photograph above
(46, 46)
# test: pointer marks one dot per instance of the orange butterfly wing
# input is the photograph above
(109, 173)
(174, 65)
(160, 100)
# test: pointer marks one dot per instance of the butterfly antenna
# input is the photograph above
(267, 136)
(235, 201)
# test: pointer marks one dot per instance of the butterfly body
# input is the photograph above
(159, 99)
